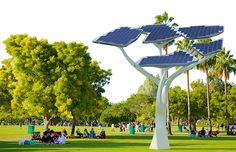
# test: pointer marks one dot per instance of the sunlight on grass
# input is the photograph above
(116, 141)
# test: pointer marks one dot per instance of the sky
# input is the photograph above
(85, 20)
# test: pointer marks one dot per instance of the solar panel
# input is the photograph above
(120, 37)
(180, 58)
(150, 28)
(200, 32)
(208, 48)
(158, 33)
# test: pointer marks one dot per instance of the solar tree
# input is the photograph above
(159, 35)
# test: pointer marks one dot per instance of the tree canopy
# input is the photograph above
(58, 79)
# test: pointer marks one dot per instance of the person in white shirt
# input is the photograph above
(112, 127)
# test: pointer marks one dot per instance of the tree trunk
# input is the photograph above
(226, 102)
(218, 126)
(73, 125)
(188, 94)
(208, 100)
(194, 125)
(168, 114)
(46, 122)
(169, 123)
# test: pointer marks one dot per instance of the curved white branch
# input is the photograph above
(184, 69)
(139, 68)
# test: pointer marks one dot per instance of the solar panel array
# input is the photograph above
(200, 32)
(209, 48)
(120, 37)
(158, 33)
(180, 58)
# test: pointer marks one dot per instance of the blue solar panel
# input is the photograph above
(209, 48)
(150, 28)
(158, 33)
(120, 37)
(200, 32)
(180, 58)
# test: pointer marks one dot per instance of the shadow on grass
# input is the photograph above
(122, 141)
(179, 137)
(149, 137)
(199, 138)
(74, 145)
(204, 149)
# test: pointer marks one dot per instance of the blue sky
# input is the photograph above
(85, 20)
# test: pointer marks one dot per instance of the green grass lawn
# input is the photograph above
(116, 141)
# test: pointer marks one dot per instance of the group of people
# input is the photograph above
(136, 125)
(52, 137)
(203, 133)
(91, 134)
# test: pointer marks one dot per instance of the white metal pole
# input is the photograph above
(160, 137)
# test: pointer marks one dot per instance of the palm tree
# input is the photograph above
(186, 44)
(204, 67)
(225, 64)
(166, 19)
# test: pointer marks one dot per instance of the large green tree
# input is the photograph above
(119, 112)
(216, 89)
(232, 103)
(225, 64)
(7, 80)
(143, 106)
(178, 100)
(35, 74)
(57, 79)
(148, 88)
(198, 102)
(80, 84)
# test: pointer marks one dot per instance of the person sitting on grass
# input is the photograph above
(209, 133)
(54, 136)
(64, 132)
(47, 137)
(62, 139)
(102, 134)
(86, 134)
(92, 134)
(199, 133)
(79, 133)
(203, 132)
(193, 132)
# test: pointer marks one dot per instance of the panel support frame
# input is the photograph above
(160, 136)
